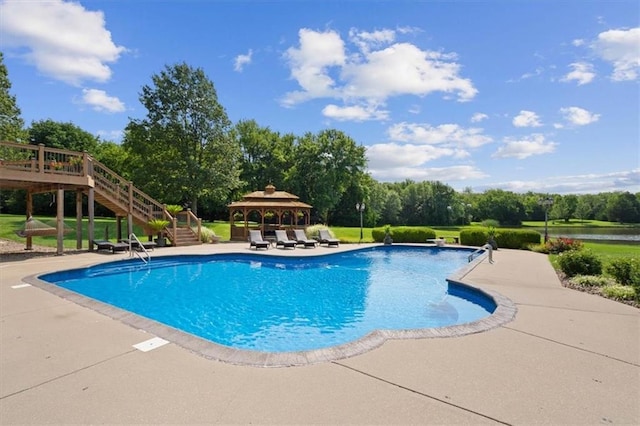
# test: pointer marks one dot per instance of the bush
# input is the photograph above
(174, 209)
(591, 281)
(404, 234)
(620, 292)
(517, 239)
(558, 246)
(579, 262)
(473, 237)
(313, 231)
(625, 271)
(561, 245)
(208, 235)
(505, 238)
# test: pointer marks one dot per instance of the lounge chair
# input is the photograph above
(148, 245)
(302, 240)
(108, 245)
(256, 240)
(326, 238)
(283, 240)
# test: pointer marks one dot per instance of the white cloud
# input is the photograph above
(450, 135)
(582, 73)
(478, 117)
(527, 119)
(110, 135)
(536, 73)
(418, 174)
(310, 65)
(242, 60)
(525, 147)
(578, 42)
(574, 184)
(622, 49)
(354, 113)
(62, 39)
(373, 72)
(393, 155)
(100, 101)
(577, 116)
(368, 40)
(404, 69)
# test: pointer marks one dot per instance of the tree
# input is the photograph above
(266, 156)
(564, 207)
(623, 207)
(325, 166)
(114, 156)
(504, 206)
(183, 151)
(54, 134)
(584, 207)
(11, 124)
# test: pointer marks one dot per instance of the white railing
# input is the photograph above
(139, 249)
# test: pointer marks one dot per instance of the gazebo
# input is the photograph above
(267, 211)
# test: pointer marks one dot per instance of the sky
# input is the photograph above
(538, 96)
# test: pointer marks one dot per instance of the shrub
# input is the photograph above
(174, 209)
(620, 292)
(505, 238)
(404, 234)
(579, 262)
(158, 225)
(313, 231)
(473, 237)
(560, 245)
(591, 281)
(517, 239)
(625, 271)
(208, 235)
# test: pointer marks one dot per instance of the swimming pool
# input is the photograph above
(275, 304)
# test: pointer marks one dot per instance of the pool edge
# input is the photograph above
(505, 312)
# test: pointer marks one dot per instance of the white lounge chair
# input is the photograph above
(283, 240)
(256, 240)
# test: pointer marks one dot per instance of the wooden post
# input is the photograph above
(90, 212)
(60, 221)
(29, 243)
(129, 224)
(41, 157)
(78, 219)
(118, 228)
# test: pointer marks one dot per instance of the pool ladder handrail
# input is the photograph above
(133, 237)
(484, 248)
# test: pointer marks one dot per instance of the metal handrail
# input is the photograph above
(482, 249)
(133, 237)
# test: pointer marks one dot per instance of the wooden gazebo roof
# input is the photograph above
(269, 198)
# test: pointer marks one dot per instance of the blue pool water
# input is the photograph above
(282, 304)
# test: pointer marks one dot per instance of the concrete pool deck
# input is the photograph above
(567, 358)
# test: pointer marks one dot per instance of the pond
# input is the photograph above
(600, 234)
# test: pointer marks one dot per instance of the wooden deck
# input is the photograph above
(39, 169)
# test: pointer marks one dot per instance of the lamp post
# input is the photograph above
(546, 202)
(360, 208)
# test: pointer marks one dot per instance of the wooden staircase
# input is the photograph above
(37, 168)
(184, 237)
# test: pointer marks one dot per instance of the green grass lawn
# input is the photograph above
(105, 228)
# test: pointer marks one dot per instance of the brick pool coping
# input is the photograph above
(504, 313)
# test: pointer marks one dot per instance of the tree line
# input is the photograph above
(186, 151)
